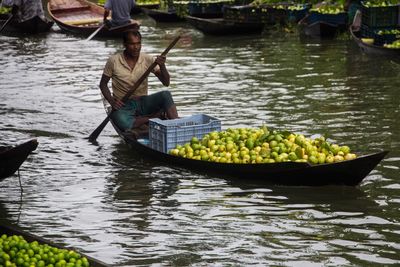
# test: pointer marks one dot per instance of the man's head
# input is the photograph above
(132, 42)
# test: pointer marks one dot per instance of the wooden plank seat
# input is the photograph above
(77, 22)
(59, 9)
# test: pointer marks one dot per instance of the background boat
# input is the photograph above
(83, 17)
(316, 24)
(160, 15)
(220, 26)
(12, 230)
(370, 48)
(30, 26)
(11, 158)
(318, 29)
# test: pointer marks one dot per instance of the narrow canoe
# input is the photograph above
(220, 26)
(162, 15)
(11, 158)
(84, 17)
(350, 172)
(12, 230)
(31, 26)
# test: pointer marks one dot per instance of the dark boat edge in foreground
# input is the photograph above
(11, 158)
(12, 230)
(350, 172)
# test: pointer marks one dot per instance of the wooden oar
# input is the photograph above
(95, 32)
(7, 21)
(99, 129)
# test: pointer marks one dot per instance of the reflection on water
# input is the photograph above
(127, 211)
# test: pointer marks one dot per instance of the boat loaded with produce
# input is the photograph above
(165, 13)
(324, 20)
(252, 154)
(376, 28)
(19, 248)
(250, 18)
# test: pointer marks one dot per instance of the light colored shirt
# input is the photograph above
(27, 9)
(123, 77)
(120, 10)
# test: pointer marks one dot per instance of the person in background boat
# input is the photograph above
(120, 12)
(351, 7)
(124, 69)
(24, 10)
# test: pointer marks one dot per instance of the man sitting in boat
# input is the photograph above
(125, 69)
(24, 10)
(120, 12)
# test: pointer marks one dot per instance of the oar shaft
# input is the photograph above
(95, 32)
(147, 72)
(5, 23)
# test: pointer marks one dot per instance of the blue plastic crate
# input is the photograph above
(387, 16)
(165, 135)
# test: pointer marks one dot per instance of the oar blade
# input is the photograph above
(93, 136)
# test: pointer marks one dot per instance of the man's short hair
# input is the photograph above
(128, 33)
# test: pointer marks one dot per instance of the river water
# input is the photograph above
(110, 203)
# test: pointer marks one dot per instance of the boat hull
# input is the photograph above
(11, 158)
(219, 26)
(162, 15)
(319, 29)
(32, 26)
(350, 172)
(373, 49)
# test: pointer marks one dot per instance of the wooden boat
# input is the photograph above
(11, 158)
(370, 48)
(12, 230)
(319, 29)
(162, 15)
(84, 17)
(220, 26)
(316, 24)
(138, 8)
(350, 172)
(31, 26)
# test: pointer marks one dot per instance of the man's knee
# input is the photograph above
(167, 97)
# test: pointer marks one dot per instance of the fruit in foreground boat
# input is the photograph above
(15, 251)
(367, 40)
(252, 145)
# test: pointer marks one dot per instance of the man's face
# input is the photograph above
(133, 45)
